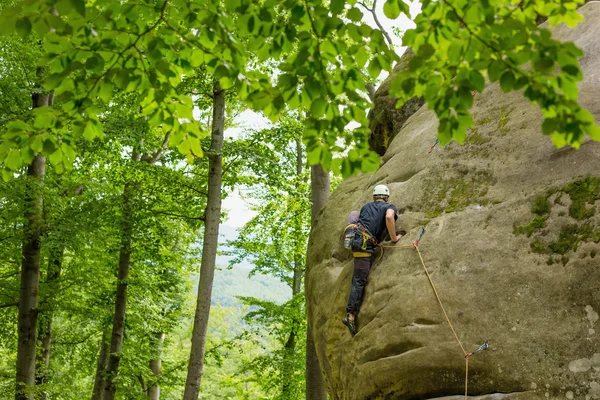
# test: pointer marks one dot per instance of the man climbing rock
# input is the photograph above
(374, 220)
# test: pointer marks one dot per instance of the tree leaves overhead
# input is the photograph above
(458, 41)
(91, 49)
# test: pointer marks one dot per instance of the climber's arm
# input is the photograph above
(390, 223)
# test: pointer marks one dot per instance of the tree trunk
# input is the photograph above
(116, 339)
(290, 345)
(209, 248)
(30, 268)
(98, 392)
(156, 367)
(320, 185)
(315, 384)
(45, 321)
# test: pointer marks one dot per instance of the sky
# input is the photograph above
(238, 213)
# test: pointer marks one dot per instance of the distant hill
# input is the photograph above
(230, 283)
(235, 282)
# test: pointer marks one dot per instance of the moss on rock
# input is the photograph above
(582, 192)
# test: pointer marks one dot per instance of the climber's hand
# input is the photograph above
(397, 239)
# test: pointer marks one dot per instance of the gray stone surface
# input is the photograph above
(539, 311)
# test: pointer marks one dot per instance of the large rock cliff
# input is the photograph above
(513, 226)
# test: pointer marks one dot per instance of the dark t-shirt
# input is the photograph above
(372, 217)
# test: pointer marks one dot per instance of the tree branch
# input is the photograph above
(8, 305)
(195, 190)
(373, 12)
(200, 218)
(162, 148)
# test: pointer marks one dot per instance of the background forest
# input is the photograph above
(114, 279)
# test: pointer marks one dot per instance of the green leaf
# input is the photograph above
(197, 58)
(374, 68)
(7, 175)
(593, 131)
(56, 157)
(495, 70)
(37, 144)
(425, 51)
(79, 6)
(90, 131)
(13, 159)
(391, 9)
(558, 140)
(49, 146)
(337, 6)
(466, 97)
(105, 92)
(195, 147)
(477, 81)
(7, 27)
(23, 27)
(68, 152)
(184, 147)
(409, 37)
(354, 14)
(507, 81)
(16, 126)
(549, 126)
(455, 52)
(233, 5)
(318, 107)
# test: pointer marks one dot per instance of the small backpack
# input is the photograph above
(356, 236)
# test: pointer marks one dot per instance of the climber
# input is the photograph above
(374, 218)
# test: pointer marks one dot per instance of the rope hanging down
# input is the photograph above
(483, 347)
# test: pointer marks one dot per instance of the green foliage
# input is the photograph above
(280, 373)
(458, 41)
(94, 51)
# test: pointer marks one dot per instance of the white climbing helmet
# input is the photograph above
(381, 190)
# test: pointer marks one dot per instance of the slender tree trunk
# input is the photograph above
(315, 384)
(321, 189)
(30, 268)
(209, 249)
(98, 392)
(45, 320)
(290, 345)
(156, 366)
(118, 329)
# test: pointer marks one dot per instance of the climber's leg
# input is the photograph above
(362, 266)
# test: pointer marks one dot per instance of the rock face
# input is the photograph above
(385, 120)
(511, 244)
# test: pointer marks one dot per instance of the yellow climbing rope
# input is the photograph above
(467, 355)
(449, 323)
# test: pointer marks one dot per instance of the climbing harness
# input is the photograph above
(357, 238)
(483, 347)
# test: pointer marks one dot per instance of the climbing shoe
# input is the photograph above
(350, 324)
